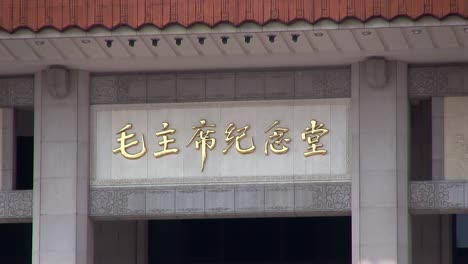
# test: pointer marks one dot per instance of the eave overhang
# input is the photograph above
(200, 47)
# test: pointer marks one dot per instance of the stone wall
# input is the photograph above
(222, 86)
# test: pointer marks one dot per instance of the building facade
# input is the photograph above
(122, 121)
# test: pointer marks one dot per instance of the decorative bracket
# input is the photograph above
(376, 72)
(58, 81)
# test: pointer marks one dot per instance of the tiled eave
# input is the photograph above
(36, 15)
(176, 48)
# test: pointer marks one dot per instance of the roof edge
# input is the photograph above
(321, 24)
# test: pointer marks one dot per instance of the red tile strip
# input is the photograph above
(86, 14)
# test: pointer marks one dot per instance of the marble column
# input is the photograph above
(7, 148)
(62, 230)
(380, 116)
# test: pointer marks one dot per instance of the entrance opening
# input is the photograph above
(24, 130)
(439, 238)
(16, 243)
(460, 241)
(421, 140)
(259, 240)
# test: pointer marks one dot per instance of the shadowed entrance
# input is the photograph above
(262, 240)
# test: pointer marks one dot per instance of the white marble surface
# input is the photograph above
(185, 167)
(380, 220)
(61, 228)
(456, 138)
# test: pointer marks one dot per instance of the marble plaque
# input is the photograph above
(185, 167)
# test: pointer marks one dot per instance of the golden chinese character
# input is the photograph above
(204, 139)
(275, 142)
(313, 134)
(165, 141)
(124, 145)
(241, 133)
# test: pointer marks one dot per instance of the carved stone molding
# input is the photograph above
(16, 91)
(422, 195)
(338, 197)
(20, 204)
(102, 202)
(260, 200)
(438, 81)
(239, 200)
(226, 86)
(227, 200)
(16, 205)
(439, 196)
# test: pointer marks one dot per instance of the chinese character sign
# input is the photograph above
(220, 142)
(238, 135)
(277, 141)
(165, 141)
(313, 135)
(204, 140)
(124, 145)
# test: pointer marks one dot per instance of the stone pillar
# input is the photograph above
(62, 231)
(7, 148)
(380, 218)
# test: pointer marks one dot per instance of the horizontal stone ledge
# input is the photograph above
(220, 216)
(16, 220)
(295, 199)
(438, 211)
(438, 197)
(304, 199)
(16, 206)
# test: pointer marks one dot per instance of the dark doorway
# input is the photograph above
(24, 130)
(421, 140)
(24, 163)
(16, 243)
(260, 240)
(460, 241)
